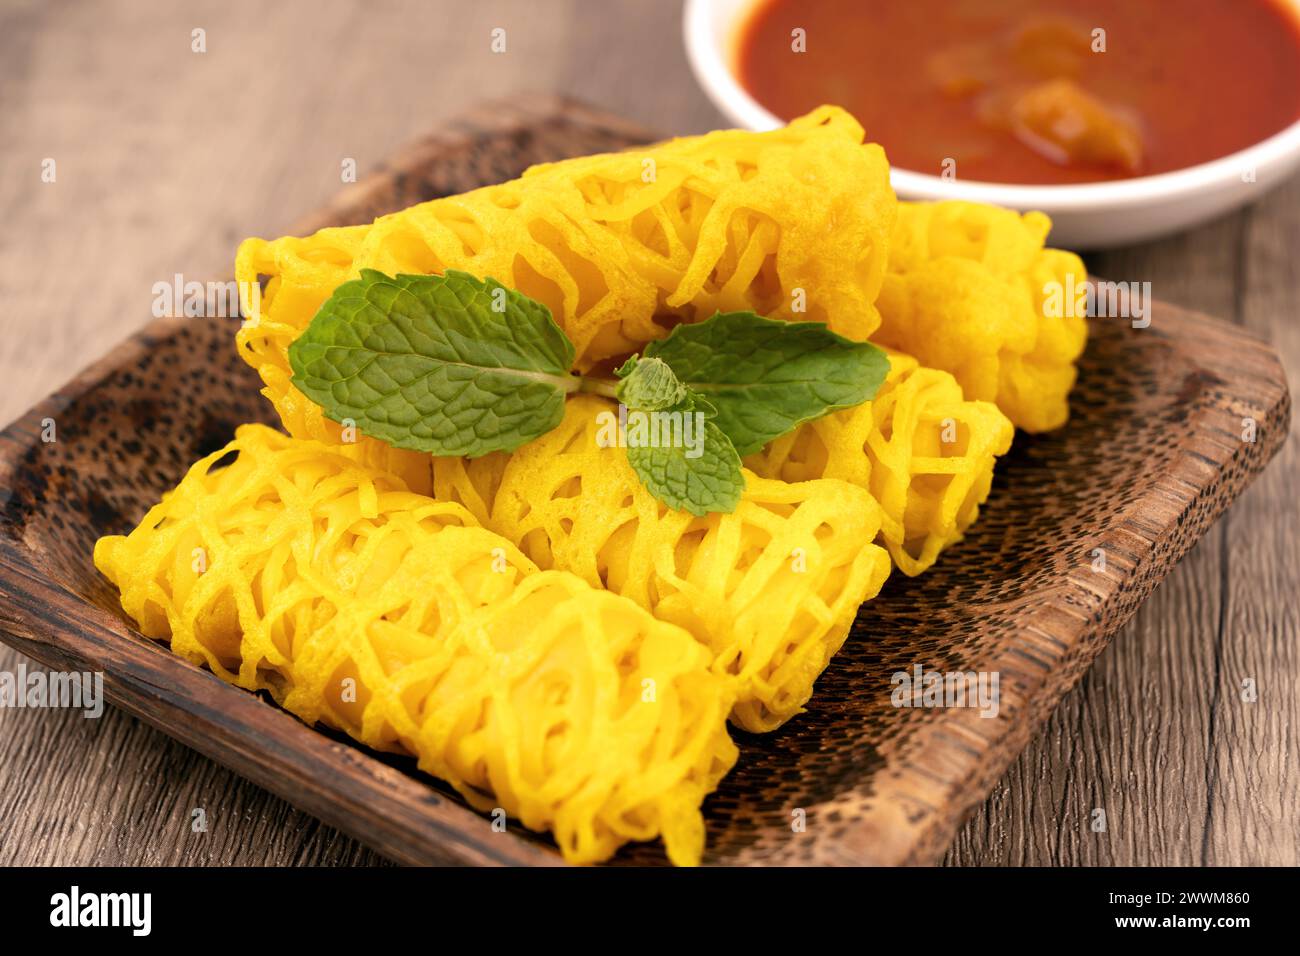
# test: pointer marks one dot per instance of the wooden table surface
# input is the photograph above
(165, 158)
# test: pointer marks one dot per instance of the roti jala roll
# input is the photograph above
(368, 608)
(924, 452)
(771, 588)
(972, 290)
(792, 223)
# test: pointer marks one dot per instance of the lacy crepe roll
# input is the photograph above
(771, 589)
(792, 223)
(924, 452)
(395, 618)
(972, 290)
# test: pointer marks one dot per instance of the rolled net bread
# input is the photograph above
(395, 618)
(972, 290)
(792, 223)
(924, 452)
(771, 589)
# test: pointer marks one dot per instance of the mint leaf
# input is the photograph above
(712, 482)
(681, 457)
(767, 377)
(449, 364)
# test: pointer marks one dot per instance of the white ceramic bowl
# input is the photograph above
(1084, 216)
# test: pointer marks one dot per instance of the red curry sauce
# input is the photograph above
(1028, 91)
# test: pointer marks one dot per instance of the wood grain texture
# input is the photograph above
(165, 162)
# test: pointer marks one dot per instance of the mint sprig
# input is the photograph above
(455, 365)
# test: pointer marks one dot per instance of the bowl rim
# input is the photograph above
(713, 71)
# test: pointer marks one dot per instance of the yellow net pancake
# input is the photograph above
(923, 451)
(792, 223)
(971, 290)
(771, 589)
(365, 607)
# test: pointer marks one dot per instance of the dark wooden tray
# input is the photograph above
(1153, 454)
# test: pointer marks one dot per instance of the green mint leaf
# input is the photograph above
(449, 364)
(767, 377)
(712, 481)
(681, 457)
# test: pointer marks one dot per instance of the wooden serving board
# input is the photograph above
(1153, 454)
